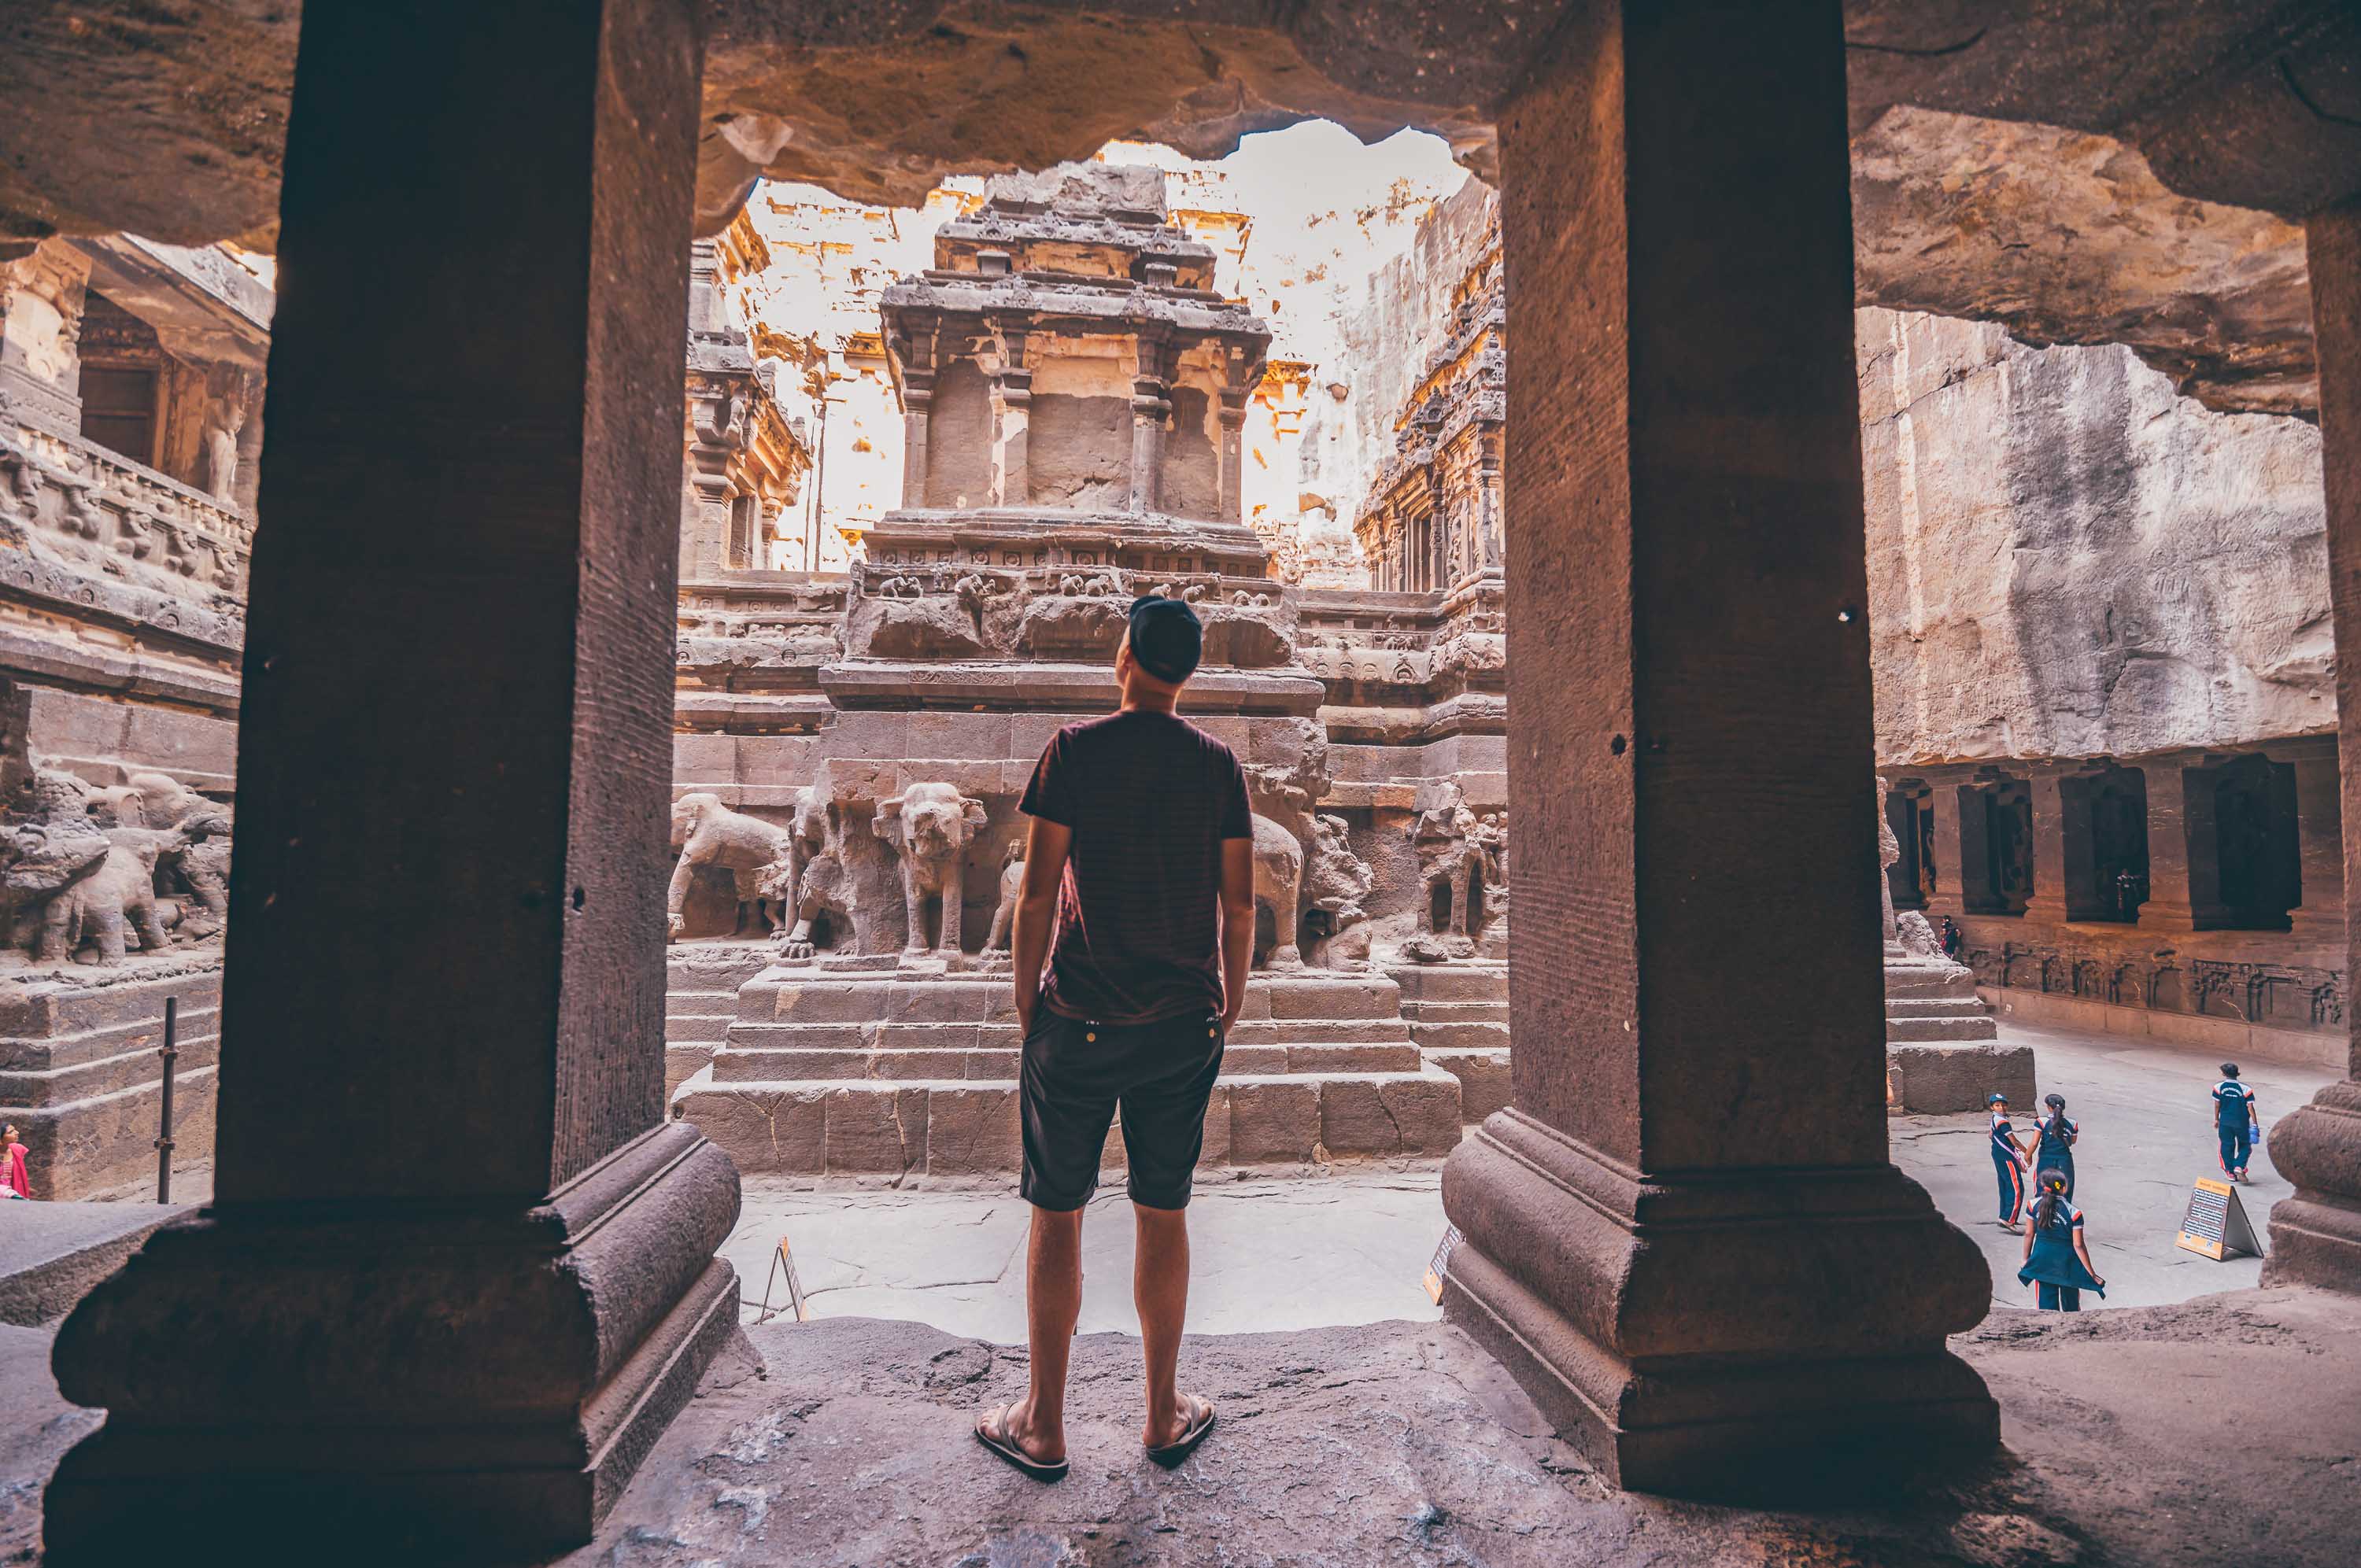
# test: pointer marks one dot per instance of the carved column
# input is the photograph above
(917, 355)
(1151, 409)
(1012, 406)
(458, 1271)
(1240, 374)
(2316, 1234)
(2169, 908)
(1686, 1239)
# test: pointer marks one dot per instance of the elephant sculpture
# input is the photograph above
(198, 867)
(815, 874)
(75, 880)
(754, 853)
(931, 825)
(1278, 885)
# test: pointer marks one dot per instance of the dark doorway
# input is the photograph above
(2245, 869)
(1910, 812)
(1995, 845)
(2102, 826)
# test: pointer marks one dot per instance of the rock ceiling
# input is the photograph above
(2113, 215)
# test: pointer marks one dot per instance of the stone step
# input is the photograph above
(953, 1128)
(1981, 1027)
(108, 1075)
(743, 1034)
(789, 994)
(792, 1063)
(1483, 1075)
(1929, 980)
(1451, 982)
(698, 1028)
(1933, 1006)
(1456, 1012)
(1471, 1034)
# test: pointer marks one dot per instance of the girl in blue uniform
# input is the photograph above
(2053, 1144)
(2056, 1259)
(2008, 1163)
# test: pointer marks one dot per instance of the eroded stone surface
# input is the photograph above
(1404, 1443)
(2067, 559)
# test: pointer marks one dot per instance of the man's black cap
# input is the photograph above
(1166, 638)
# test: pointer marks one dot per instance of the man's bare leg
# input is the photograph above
(1160, 1288)
(1053, 1304)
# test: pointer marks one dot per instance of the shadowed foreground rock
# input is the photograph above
(1405, 1443)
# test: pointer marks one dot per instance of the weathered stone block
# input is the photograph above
(1937, 1079)
(973, 1130)
(879, 1128)
(1273, 1119)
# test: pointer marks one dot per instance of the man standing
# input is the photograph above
(1138, 900)
(2233, 1123)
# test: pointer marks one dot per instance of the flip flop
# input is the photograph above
(1179, 1448)
(1010, 1450)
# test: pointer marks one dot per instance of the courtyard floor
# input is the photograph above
(1350, 1247)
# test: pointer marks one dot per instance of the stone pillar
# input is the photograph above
(2168, 910)
(459, 1268)
(1234, 419)
(2316, 1234)
(1012, 407)
(1151, 406)
(1685, 1238)
(917, 397)
(2319, 920)
(2048, 903)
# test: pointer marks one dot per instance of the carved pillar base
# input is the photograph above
(462, 1378)
(1725, 1334)
(2316, 1234)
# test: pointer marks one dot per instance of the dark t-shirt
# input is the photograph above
(1148, 799)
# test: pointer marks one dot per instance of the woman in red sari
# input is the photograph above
(13, 1181)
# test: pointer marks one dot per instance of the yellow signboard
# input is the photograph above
(783, 1260)
(1441, 1265)
(2215, 1225)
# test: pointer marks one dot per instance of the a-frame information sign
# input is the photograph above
(2215, 1225)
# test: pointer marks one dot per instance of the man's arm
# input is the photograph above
(1237, 927)
(1037, 910)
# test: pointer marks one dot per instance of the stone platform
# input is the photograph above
(51, 1254)
(1399, 1442)
(81, 1075)
(1458, 1015)
(1943, 1050)
(899, 1072)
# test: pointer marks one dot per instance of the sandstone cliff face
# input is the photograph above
(2067, 559)
(1386, 344)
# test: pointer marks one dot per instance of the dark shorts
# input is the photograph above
(1074, 1075)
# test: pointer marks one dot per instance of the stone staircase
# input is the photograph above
(701, 982)
(1942, 1048)
(866, 1070)
(1458, 1016)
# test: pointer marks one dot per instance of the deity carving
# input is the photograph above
(1451, 847)
(1335, 882)
(932, 826)
(755, 854)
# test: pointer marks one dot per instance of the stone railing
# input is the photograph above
(112, 538)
